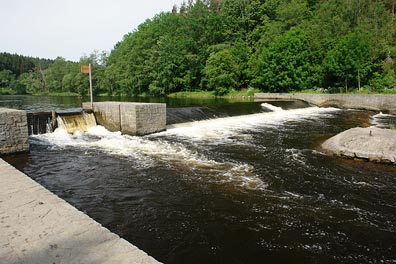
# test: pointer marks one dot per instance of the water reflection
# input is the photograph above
(50, 103)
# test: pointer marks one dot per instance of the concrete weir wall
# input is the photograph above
(38, 227)
(376, 102)
(14, 135)
(135, 119)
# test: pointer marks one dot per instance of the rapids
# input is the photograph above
(237, 189)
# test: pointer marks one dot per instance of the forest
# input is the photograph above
(222, 46)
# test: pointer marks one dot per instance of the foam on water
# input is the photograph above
(225, 128)
(382, 120)
(271, 107)
(149, 151)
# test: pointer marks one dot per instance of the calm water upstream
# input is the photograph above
(242, 189)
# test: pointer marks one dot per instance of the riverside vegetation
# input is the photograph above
(223, 46)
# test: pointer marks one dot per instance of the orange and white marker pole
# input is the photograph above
(88, 69)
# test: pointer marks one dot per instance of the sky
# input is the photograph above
(71, 28)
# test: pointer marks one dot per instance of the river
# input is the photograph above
(247, 188)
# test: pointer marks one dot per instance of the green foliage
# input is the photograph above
(222, 71)
(6, 78)
(224, 46)
(349, 61)
(286, 65)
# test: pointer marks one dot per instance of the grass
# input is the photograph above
(56, 93)
(198, 94)
(210, 94)
(363, 90)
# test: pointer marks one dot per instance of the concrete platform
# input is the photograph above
(36, 226)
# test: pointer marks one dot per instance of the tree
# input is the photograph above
(222, 72)
(6, 78)
(348, 62)
(286, 65)
(31, 82)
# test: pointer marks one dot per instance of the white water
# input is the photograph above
(148, 151)
(224, 129)
(381, 120)
(272, 107)
(75, 123)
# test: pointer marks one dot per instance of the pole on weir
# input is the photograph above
(90, 85)
(88, 69)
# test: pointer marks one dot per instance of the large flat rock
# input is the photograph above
(369, 143)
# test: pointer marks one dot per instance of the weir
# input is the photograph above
(374, 102)
(40, 123)
(58, 232)
(76, 122)
(46, 122)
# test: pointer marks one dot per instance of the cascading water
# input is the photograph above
(39, 123)
(384, 120)
(76, 122)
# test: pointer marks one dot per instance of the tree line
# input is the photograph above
(225, 45)
(27, 75)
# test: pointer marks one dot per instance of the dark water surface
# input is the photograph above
(250, 189)
(50, 103)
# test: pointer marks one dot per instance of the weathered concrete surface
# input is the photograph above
(130, 118)
(369, 143)
(38, 227)
(376, 102)
(14, 136)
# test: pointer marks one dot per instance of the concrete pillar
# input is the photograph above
(135, 119)
(14, 135)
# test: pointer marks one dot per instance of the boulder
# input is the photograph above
(370, 143)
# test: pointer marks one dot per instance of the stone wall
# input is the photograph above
(376, 102)
(130, 118)
(13, 131)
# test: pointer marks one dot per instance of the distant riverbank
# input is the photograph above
(197, 94)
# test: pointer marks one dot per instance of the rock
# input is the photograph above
(371, 143)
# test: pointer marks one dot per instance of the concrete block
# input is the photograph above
(13, 131)
(130, 118)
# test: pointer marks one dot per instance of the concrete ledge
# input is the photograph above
(376, 102)
(36, 226)
(135, 119)
(371, 143)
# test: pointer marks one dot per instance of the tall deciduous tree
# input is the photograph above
(222, 72)
(349, 61)
(286, 65)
